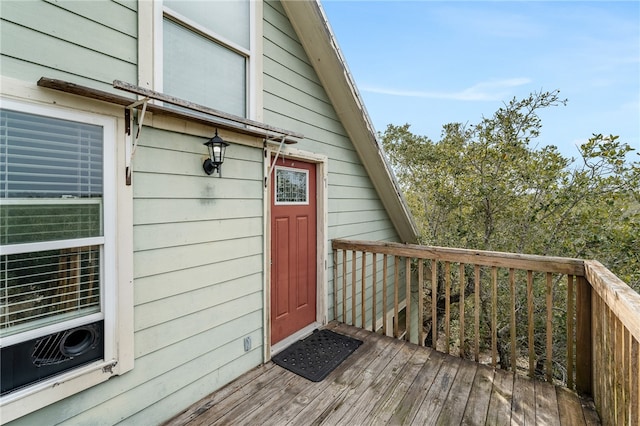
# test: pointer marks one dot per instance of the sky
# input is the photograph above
(429, 63)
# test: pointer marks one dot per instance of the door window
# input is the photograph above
(292, 186)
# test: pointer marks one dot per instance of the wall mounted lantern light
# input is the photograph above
(216, 148)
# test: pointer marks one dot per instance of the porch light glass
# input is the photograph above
(216, 147)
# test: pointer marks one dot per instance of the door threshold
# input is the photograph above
(300, 334)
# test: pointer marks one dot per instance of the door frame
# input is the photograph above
(322, 243)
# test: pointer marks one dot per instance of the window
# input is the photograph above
(292, 186)
(57, 243)
(206, 53)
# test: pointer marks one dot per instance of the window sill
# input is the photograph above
(34, 397)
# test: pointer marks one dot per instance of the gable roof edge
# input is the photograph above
(312, 27)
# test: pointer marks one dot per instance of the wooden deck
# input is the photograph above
(388, 381)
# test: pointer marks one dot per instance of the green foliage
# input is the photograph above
(487, 186)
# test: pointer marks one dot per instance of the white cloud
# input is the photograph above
(494, 90)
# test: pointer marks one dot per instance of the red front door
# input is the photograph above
(293, 247)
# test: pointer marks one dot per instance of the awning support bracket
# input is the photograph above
(275, 160)
(131, 145)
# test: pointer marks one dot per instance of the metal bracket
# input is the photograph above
(273, 165)
(130, 146)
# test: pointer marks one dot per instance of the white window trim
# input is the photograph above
(117, 308)
(252, 54)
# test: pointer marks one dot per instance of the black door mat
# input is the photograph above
(317, 355)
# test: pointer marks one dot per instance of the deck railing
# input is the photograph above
(564, 320)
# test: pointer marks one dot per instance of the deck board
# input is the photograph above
(410, 403)
(547, 412)
(523, 407)
(475, 412)
(371, 395)
(433, 400)
(499, 412)
(382, 412)
(459, 395)
(388, 381)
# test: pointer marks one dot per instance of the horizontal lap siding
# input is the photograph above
(198, 257)
(40, 38)
(295, 99)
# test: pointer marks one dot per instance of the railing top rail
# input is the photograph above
(525, 262)
(620, 298)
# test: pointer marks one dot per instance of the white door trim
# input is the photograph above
(322, 242)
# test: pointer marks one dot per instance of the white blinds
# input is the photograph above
(51, 190)
(47, 157)
(40, 288)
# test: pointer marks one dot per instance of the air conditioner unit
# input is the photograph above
(34, 360)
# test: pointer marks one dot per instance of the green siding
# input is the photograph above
(50, 39)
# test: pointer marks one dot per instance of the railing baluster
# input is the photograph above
(512, 291)
(462, 290)
(420, 301)
(434, 303)
(626, 369)
(549, 297)
(363, 284)
(530, 324)
(447, 306)
(618, 363)
(570, 338)
(635, 378)
(611, 391)
(353, 287)
(374, 302)
(598, 341)
(344, 286)
(476, 269)
(494, 315)
(396, 284)
(335, 285)
(385, 306)
(407, 298)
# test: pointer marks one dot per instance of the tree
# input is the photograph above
(487, 186)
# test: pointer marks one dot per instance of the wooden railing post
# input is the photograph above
(584, 364)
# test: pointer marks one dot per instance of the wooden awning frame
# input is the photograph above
(188, 111)
(214, 117)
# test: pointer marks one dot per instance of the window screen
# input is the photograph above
(200, 70)
(229, 19)
(51, 220)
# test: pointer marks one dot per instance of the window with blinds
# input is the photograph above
(51, 220)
